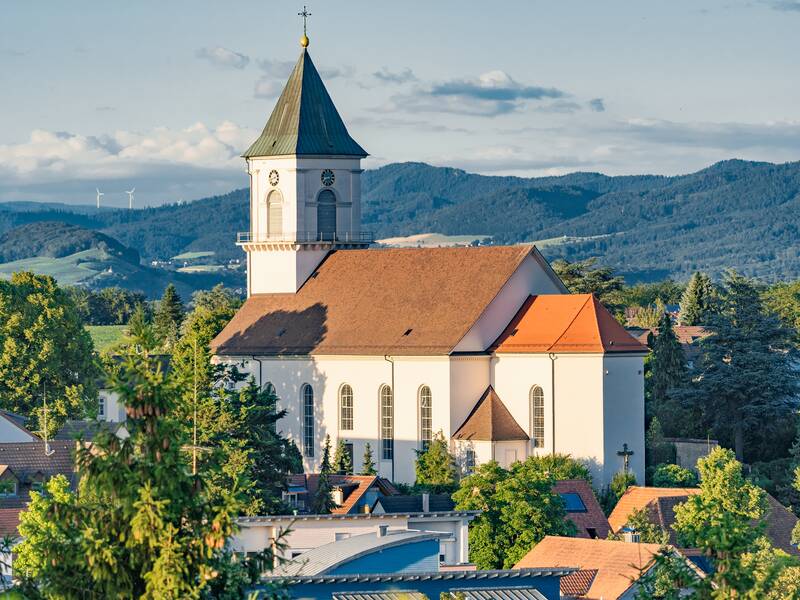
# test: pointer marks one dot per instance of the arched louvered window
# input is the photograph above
(537, 417)
(275, 214)
(326, 216)
(425, 416)
(346, 408)
(307, 394)
(387, 423)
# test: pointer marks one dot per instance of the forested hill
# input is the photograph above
(739, 214)
(54, 239)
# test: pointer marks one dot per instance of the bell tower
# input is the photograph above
(305, 186)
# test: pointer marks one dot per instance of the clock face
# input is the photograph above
(327, 177)
(273, 178)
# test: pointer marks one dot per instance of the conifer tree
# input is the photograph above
(342, 463)
(666, 370)
(169, 316)
(747, 374)
(436, 467)
(323, 502)
(697, 301)
(368, 464)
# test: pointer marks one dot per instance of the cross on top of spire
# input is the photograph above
(305, 14)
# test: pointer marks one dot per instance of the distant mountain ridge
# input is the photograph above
(735, 213)
(56, 239)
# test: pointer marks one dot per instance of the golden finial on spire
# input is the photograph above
(305, 14)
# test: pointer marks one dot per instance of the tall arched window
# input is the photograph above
(425, 416)
(387, 423)
(326, 216)
(308, 421)
(537, 416)
(275, 213)
(346, 408)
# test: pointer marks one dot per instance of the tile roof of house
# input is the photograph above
(9, 521)
(661, 502)
(577, 584)
(638, 497)
(305, 120)
(28, 460)
(618, 564)
(358, 485)
(85, 429)
(490, 420)
(565, 323)
(593, 517)
(413, 504)
(398, 301)
(325, 558)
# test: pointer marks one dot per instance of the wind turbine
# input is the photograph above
(130, 198)
(99, 194)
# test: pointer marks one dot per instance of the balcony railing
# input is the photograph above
(306, 237)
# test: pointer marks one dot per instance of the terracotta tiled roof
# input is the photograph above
(491, 421)
(357, 484)
(9, 520)
(565, 323)
(399, 301)
(639, 497)
(593, 517)
(661, 502)
(618, 564)
(577, 584)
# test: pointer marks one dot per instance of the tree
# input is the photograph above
(698, 300)
(783, 299)
(323, 502)
(368, 464)
(667, 475)
(560, 466)
(609, 497)
(342, 463)
(640, 521)
(45, 350)
(519, 508)
(665, 370)
(724, 520)
(435, 467)
(169, 315)
(747, 375)
(139, 525)
(582, 277)
(648, 316)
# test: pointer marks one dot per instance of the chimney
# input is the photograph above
(426, 502)
(382, 529)
(631, 536)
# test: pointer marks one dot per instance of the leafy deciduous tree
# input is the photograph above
(436, 468)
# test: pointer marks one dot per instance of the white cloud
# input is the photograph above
(388, 76)
(223, 57)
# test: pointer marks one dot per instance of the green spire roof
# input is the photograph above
(304, 121)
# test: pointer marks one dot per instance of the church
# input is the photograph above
(390, 346)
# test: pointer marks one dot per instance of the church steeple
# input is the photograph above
(305, 186)
(305, 121)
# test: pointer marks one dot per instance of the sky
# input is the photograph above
(164, 96)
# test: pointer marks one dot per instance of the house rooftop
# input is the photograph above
(412, 504)
(638, 497)
(585, 511)
(521, 573)
(354, 487)
(565, 323)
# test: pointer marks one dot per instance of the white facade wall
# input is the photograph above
(113, 409)
(301, 535)
(11, 433)
(623, 393)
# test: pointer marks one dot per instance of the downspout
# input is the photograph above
(553, 358)
(390, 360)
(260, 375)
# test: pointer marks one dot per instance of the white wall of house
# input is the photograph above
(303, 534)
(623, 393)
(9, 432)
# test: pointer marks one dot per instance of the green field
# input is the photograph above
(201, 269)
(192, 255)
(105, 336)
(68, 270)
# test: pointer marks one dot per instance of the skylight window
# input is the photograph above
(573, 502)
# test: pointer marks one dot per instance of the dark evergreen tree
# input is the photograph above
(666, 370)
(747, 376)
(342, 462)
(323, 502)
(368, 464)
(698, 300)
(169, 316)
(436, 467)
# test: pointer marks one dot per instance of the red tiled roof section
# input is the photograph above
(618, 564)
(400, 301)
(577, 584)
(490, 421)
(639, 497)
(565, 323)
(362, 484)
(593, 518)
(9, 520)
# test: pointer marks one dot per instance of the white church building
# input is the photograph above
(389, 346)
